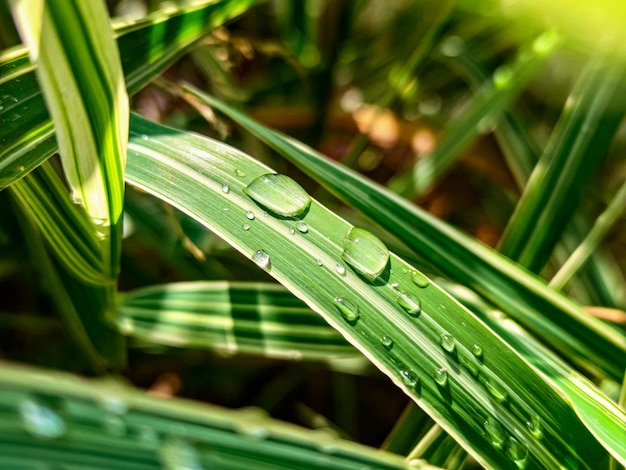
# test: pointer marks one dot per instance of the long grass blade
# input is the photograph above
(254, 318)
(580, 140)
(523, 296)
(147, 47)
(54, 419)
(477, 388)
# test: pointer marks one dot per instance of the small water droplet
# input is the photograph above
(419, 279)
(477, 351)
(225, 188)
(261, 259)
(447, 343)
(40, 420)
(496, 432)
(394, 285)
(348, 310)
(496, 390)
(250, 215)
(408, 377)
(441, 377)
(386, 341)
(280, 195)
(246, 227)
(292, 230)
(225, 209)
(239, 173)
(365, 253)
(341, 269)
(470, 365)
(319, 262)
(409, 303)
(535, 427)
(517, 451)
(144, 137)
(302, 227)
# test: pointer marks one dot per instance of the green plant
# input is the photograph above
(511, 372)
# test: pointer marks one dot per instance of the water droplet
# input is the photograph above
(477, 351)
(365, 253)
(246, 227)
(176, 454)
(535, 427)
(394, 285)
(386, 341)
(341, 269)
(517, 450)
(225, 188)
(280, 195)
(254, 431)
(447, 343)
(302, 227)
(250, 215)
(441, 377)
(144, 137)
(114, 425)
(496, 390)
(419, 279)
(40, 420)
(292, 230)
(470, 365)
(409, 378)
(496, 432)
(239, 173)
(262, 259)
(409, 303)
(319, 262)
(348, 310)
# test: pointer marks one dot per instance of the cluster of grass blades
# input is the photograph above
(502, 368)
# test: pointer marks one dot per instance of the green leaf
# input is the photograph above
(472, 383)
(60, 420)
(147, 47)
(565, 170)
(522, 295)
(236, 317)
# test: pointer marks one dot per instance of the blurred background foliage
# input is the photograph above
(375, 85)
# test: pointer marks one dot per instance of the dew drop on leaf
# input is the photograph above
(441, 377)
(419, 279)
(176, 454)
(261, 259)
(280, 195)
(246, 227)
(341, 269)
(225, 188)
(517, 450)
(302, 227)
(348, 310)
(40, 420)
(250, 215)
(409, 303)
(408, 377)
(447, 343)
(477, 351)
(496, 432)
(386, 341)
(535, 427)
(365, 253)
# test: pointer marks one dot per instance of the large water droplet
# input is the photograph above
(302, 227)
(447, 343)
(517, 450)
(408, 377)
(250, 215)
(280, 195)
(348, 310)
(386, 341)
(496, 432)
(365, 253)
(341, 269)
(40, 420)
(441, 377)
(262, 259)
(409, 303)
(419, 279)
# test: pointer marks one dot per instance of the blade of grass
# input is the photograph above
(522, 295)
(601, 227)
(254, 318)
(416, 335)
(52, 418)
(565, 170)
(147, 48)
(488, 105)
